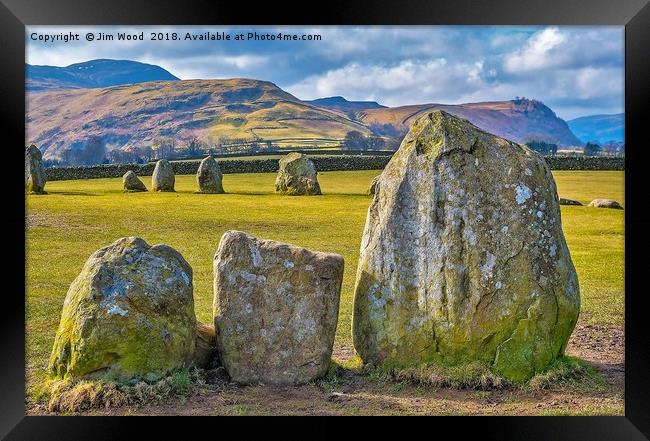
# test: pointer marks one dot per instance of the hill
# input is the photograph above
(519, 120)
(341, 104)
(93, 73)
(599, 128)
(141, 114)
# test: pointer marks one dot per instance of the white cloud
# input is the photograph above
(541, 51)
(408, 78)
(246, 61)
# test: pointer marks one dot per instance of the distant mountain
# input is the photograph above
(520, 120)
(92, 74)
(129, 104)
(138, 115)
(599, 128)
(341, 104)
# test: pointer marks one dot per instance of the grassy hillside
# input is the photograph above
(78, 217)
(518, 120)
(140, 114)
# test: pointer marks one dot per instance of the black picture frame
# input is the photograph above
(633, 14)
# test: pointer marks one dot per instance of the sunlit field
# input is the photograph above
(77, 217)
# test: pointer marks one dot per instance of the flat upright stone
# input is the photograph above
(129, 313)
(209, 177)
(132, 182)
(297, 176)
(275, 309)
(605, 203)
(463, 258)
(35, 177)
(163, 178)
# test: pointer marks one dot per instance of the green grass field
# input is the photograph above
(78, 217)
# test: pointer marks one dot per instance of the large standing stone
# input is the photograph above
(209, 176)
(297, 176)
(163, 178)
(275, 309)
(131, 182)
(35, 177)
(129, 312)
(463, 256)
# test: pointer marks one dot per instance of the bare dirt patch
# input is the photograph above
(352, 393)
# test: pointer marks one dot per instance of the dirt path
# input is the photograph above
(353, 394)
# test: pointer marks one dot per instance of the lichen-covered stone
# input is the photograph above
(130, 312)
(463, 258)
(605, 203)
(565, 201)
(35, 177)
(209, 176)
(131, 182)
(373, 185)
(275, 309)
(297, 176)
(163, 178)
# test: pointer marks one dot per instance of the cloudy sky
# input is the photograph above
(576, 71)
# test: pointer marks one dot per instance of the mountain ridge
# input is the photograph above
(63, 113)
(600, 128)
(92, 74)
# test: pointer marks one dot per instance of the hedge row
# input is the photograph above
(331, 163)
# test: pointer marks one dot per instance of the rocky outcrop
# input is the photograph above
(130, 312)
(209, 176)
(463, 258)
(132, 183)
(35, 177)
(297, 176)
(163, 178)
(275, 309)
(605, 203)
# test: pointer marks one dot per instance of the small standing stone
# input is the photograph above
(275, 309)
(373, 185)
(132, 183)
(35, 177)
(205, 353)
(297, 176)
(163, 178)
(209, 176)
(605, 203)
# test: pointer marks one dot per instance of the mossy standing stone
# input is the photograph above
(129, 313)
(132, 183)
(163, 178)
(209, 177)
(275, 309)
(35, 177)
(297, 176)
(463, 258)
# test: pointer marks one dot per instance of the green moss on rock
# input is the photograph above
(130, 312)
(463, 258)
